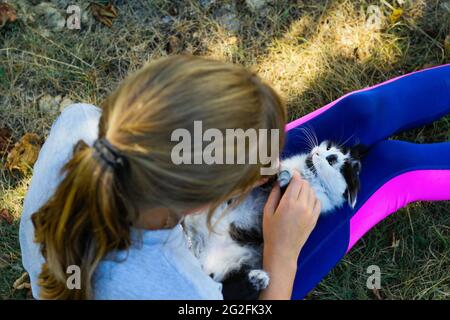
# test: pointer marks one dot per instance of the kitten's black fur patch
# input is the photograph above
(351, 177)
(351, 169)
(237, 286)
(309, 163)
(245, 237)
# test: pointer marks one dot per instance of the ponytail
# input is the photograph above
(94, 206)
(87, 217)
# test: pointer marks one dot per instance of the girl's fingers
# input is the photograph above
(311, 197)
(317, 208)
(295, 186)
(304, 195)
(273, 200)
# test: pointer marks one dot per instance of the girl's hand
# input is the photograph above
(287, 225)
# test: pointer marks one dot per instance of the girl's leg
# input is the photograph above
(369, 116)
(373, 114)
(394, 174)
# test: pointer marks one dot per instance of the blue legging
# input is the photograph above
(394, 173)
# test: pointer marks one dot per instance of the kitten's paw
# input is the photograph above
(284, 177)
(259, 279)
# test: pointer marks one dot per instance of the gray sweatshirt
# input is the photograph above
(158, 265)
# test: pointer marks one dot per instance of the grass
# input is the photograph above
(311, 51)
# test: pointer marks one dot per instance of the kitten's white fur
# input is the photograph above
(328, 181)
(217, 252)
(220, 255)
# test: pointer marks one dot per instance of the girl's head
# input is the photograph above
(94, 206)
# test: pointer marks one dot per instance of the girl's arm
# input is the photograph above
(286, 227)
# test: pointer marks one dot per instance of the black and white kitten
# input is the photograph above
(232, 252)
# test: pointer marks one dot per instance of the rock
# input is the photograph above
(227, 17)
(86, 17)
(167, 20)
(49, 104)
(256, 5)
(230, 22)
(445, 6)
(64, 103)
(52, 17)
(63, 4)
(206, 4)
(56, 22)
(52, 105)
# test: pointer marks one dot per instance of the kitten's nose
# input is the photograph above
(331, 158)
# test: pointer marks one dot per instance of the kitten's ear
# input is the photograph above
(356, 165)
(358, 151)
(350, 171)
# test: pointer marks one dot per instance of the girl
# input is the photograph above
(106, 204)
(115, 212)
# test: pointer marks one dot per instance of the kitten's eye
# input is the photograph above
(332, 159)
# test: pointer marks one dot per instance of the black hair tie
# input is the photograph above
(109, 153)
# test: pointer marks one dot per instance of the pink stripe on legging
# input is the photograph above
(419, 185)
(315, 113)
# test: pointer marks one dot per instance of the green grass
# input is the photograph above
(311, 51)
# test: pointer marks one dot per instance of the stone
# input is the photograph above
(256, 5)
(49, 104)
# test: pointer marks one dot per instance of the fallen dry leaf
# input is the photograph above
(7, 14)
(174, 45)
(396, 14)
(24, 153)
(447, 44)
(22, 282)
(377, 294)
(5, 141)
(104, 14)
(5, 215)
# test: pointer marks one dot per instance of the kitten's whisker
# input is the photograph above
(304, 137)
(347, 140)
(311, 136)
(314, 134)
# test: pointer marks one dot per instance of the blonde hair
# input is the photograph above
(91, 211)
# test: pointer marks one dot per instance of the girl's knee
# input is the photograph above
(362, 108)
